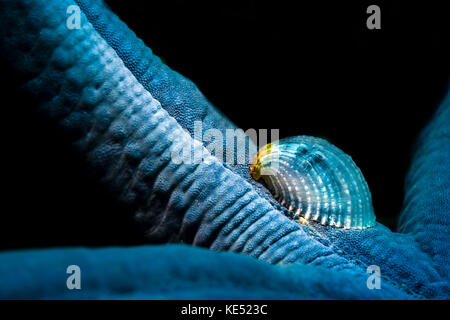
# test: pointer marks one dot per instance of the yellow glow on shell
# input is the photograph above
(255, 167)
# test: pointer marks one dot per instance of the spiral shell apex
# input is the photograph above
(316, 181)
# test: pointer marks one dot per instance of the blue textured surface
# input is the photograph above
(171, 272)
(126, 112)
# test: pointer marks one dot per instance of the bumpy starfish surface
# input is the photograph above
(126, 111)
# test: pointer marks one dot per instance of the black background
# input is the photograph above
(310, 69)
(313, 68)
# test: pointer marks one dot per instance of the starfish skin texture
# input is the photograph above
(125, 111)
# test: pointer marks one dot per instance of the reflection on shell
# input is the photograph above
(316, 181)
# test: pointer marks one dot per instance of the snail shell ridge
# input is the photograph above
(316, 181)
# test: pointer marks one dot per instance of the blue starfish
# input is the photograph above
(125, 111)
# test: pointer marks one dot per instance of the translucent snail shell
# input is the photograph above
(316, 181)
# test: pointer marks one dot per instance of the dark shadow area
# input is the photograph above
(49, 197)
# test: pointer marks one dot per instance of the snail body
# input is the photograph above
(316, 181)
